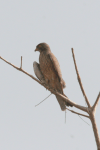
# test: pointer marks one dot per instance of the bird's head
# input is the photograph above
(42, 47)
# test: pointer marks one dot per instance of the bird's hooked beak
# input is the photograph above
(36, 49)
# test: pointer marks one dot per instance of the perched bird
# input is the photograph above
(50, 70)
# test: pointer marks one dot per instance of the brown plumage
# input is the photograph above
(50, 69)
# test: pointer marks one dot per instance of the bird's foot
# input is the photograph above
(54, 90)
(43, 81)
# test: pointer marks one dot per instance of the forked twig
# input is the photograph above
(20, 69)
(90, 110)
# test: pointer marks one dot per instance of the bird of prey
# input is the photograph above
(48, 70)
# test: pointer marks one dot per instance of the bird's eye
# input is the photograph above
(39, 46)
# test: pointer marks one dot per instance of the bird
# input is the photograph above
(51, 72)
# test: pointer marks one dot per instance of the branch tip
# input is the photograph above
(72, 49)
(96, 103)
(21, 63)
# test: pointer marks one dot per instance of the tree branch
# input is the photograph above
(42, 100)
(77, 113)
(79, 80)
(21, 63)
(96, 103)
(21, 70)
(52, 91)
(95, 129)
(90, 110)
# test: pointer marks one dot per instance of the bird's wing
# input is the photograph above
(55, 65)
(37, 71)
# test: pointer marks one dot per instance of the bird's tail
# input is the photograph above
(67, 103)
(62, 103)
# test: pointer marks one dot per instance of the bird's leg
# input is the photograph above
(43, 81)
(46, 83)
(55, 90)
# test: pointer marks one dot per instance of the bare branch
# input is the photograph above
(79, 80)
(52, 91)
(21, 70)
(96, 103)
(77, 113)
(84, 120)
(95, 129)
(42, 101)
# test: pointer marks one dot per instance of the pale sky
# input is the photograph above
(63, 25)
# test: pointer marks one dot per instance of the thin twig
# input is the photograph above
(21, 63)
(77, 113)
(42, 101)
(65, 116)
(79, 80)
(83, 120)
(21, 70)
(96, 103)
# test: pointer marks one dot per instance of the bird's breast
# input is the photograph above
(49, 73)
(46, 67)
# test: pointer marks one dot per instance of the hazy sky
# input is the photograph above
(62, 24)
